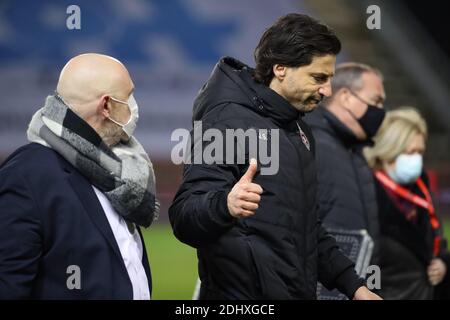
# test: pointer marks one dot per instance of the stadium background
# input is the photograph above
(170, 48)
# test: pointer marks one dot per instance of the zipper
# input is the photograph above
(305, 228)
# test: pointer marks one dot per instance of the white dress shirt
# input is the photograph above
(130, 246)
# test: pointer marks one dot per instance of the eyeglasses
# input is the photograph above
(380, 104)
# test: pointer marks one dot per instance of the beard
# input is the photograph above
(311, 103)
(112, 134)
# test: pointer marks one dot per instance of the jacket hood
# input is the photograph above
(231, 81)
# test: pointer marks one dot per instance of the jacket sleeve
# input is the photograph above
(335, 270)
(444, 252)
(20, 237)
(442, 290)
(199, 213)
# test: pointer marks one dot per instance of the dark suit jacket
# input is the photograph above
(51, 219)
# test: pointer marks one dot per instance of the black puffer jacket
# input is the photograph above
(346, 189)
(280, 251)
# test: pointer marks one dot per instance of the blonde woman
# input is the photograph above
(412, 256)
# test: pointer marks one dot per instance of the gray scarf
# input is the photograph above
(124, 173)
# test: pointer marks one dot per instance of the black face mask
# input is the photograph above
(371, 120)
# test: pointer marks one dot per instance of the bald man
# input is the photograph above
(72, 201)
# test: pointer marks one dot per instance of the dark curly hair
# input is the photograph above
(292, 41)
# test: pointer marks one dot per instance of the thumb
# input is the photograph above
(251, 171)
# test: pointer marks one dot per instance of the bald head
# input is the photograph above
(89, 76)
(90, 84)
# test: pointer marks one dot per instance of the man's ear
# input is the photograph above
(343, 95)
(104, 106)
(279, 72)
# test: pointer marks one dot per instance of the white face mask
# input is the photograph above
(408, 168)
(130, 126)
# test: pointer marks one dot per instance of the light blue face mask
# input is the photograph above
(408, 168)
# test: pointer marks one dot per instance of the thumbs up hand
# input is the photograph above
(244, 198)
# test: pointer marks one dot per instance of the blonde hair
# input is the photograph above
(396, 132)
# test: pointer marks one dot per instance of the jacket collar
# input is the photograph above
(344, 134)
(270, 103)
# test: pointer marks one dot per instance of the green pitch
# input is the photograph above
(174, 265)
